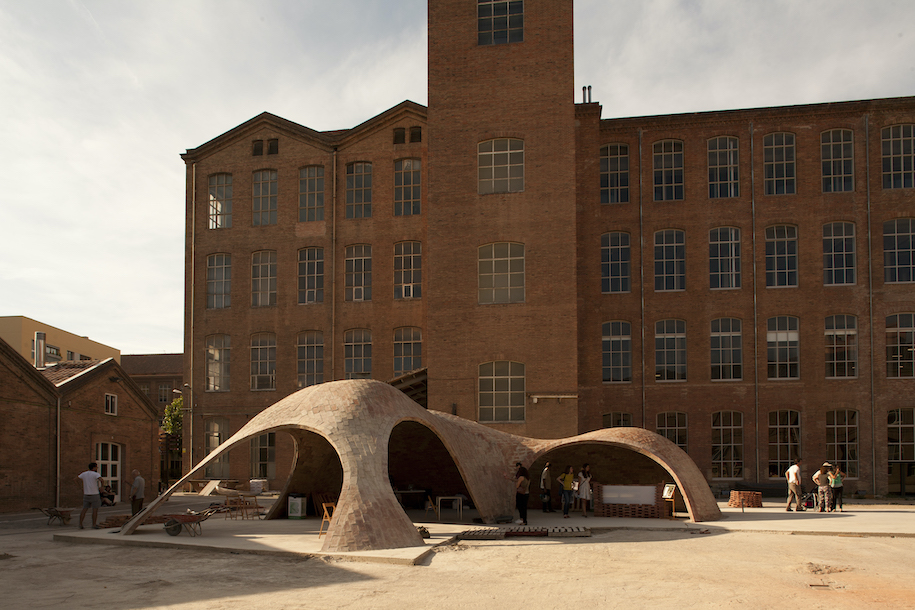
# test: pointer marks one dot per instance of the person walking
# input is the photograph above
(91, 481)
(836, 476)
(584, 488)
(522, 492)
(567, 481)
(545, 489)
(821, 478)
(793, 474)
(137, 493)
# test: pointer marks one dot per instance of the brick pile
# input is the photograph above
(748, 499)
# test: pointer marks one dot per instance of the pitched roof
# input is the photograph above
(153, 364)
(62, 372)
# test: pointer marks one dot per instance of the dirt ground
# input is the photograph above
(619, 569)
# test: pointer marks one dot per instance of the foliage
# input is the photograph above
(174, 416)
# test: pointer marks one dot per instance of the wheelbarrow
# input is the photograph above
(190, 521)
(61, 514)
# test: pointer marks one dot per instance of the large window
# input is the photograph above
(217, 363)
(310, 358)
(778, 163)
(614, 173)
(841, 346)
(358, 273)
(670, 350)
(783, 347)
(263, 361)
(407, 188)
(263, 456)
(898, 154)
(501, 273)
(408, 350)
(724, 258)
(726, 350)
(842, 440)
(617, 419)
(311, 275)
(900, 345)
(359, 190)
(311, 193)
(669, 260)
(672, 426)
(501, 385)
(781, 256)
(220, 206)
(500, 21)
(615, 262)
(727, 445)
(264, 199)
(900, 437)
(784, 441)
(219, 281)
(722, 168)
(501, 166)
(617, 352)
(357, 354)
(408, 270)
(838, 253)
(111, 404)
(899, 250)
(837, 153)
(165, 393)
(263, 279)
(668, 170)
(216, 432)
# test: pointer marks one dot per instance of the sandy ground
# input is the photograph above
(619, 569)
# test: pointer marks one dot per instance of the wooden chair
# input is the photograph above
(430, 505)
(329, 508)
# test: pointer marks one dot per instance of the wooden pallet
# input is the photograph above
(499, 533)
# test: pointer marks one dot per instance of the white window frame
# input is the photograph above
(263, 362)
(842, 440)
(408, 349)
(616, 351)
(111, 404)
(841, 339)
(779, 164)
(408, 270)
(614, 174)
(264, 197)
(311, 275)
(615, 263)
(726, 342)
(263, 278)
(669, 260)
(781, 256)
(785, 428)
(219, 281)
(902, 233)
(407, 187)
(723, 167)
(218, 361)
(898, 156)
(727, 445)
(783, 341)
(310, 358)
(670, 351)
(311, 193)
(358, 271)
(839, 266)
(674, 426)
(219, 210)
(357, 353)
(724, 258)
(900, 346)
(668, 170)
(837, 158)
(358, 190)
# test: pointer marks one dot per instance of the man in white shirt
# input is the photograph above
(137, 493)
(545, 483)
(92, 484)
(793, 474)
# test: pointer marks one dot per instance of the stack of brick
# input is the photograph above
(646, 511)
(748, 499)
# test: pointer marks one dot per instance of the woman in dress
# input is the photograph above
(522, 492)
(836, 476)
(566, 480)
(584, 488)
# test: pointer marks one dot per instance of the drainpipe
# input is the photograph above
(642, 283)
(190, 412)
(755, 301)
(870, 304)
(333, 275)
(57, 485)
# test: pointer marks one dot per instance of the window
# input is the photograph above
(669, 260)
(257, 148)
(668, 170)
(263, 361)
(617, 419)
(838, 253)
(216, 431)
(781, 256)
(263, 279)
(782, 340)
(722, 168)
(264, 202)
(273, 146)
(898, 153)
(144, 387)
(502, 391)
(220, 207)
(357, 354)
(614, 173)
(165, 393)
(672, 426)
(400, 135)
(617, 352)
(727, 445)
(842, 440)
(724, 258)
(727, 350)
(311, 275)
(778, 163)
(501, 166)
(900, 345)
(407, 188)
(217, 363)
(358, 273)
(670, 350)
(311, 193)
(359, 190)
(416, 134)
(500, 22)
(111, 404)
(408, 350)
(615, 266)
(501, 273)
(263, 456)
(838, 157)
(408, 270)
(899, 250)
(841, 346)
(310, 357)
(784, 441)
(219, 281)
(900, 437)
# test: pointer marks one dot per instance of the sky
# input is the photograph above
(98, 98)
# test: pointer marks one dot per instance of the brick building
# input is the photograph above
(739, 281)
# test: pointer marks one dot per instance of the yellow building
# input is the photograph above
(19, 332)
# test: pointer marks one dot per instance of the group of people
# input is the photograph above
(574, 487)
(96, 493)
(829, 481)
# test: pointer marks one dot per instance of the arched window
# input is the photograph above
(669, 260)
(218, 349)
(670, 350)
(898, 153)
(311, 193)
(842, 440)
(408, 350)
(672, 426)
(900, 345)
(838, 253)
(219, 281)
(778, 164)
(310, 358)
(617, 352)
(668, 170)
(359, 190)
(727, 445)
(264, 198)
(837, 154)
(615, 262)
(220, 201)
(726, 349)
(841, 346)
(724, 258)
(614, 173)
(781, 256)
(407, 187)
(263, 361)
(784, 441)
(723, 167)
(783, 347)
(899, 250)
(357, 353)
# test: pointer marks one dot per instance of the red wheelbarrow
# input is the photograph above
(190, 521)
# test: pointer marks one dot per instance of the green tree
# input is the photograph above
(174, 416)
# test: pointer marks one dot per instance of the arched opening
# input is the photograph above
(317, 474)
(420, 467)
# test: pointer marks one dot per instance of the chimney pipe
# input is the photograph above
(39, 349)
(589, 94)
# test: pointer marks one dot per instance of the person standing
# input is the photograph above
(584, 488)
(545, 492)
(793, 474)
(522, 492)
(137, 493)
(566, 480)
(836, 476)
(91, 481)
(821, 478)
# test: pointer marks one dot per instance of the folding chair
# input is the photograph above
(430, 505)
(329, 508)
